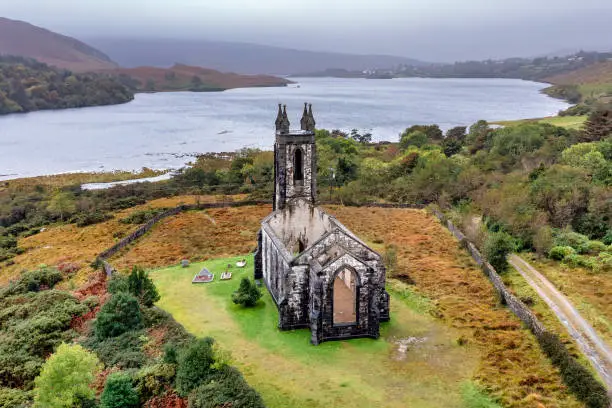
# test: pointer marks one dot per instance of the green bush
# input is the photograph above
(154, 380)
(123, 351)
(579, 380)
(142, 216)
(497, 247)
(194, 365)
(559, 253)
(32, 325)
(119, 315)
(33, 281)
(247, 294)
(91, 218)
(118, 392)
(607, 239)
(226, 387)
(7, 242)
(65, 377)
(595, 247)
(14, 398)
(138, 284)
(572, 239)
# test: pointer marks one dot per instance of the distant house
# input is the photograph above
(320, 275)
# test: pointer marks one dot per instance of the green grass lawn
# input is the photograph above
(570, 122)
(289, 372)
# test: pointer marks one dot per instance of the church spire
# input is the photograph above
(311, 120)
(305, 119)
(282, 121)
(279, 118)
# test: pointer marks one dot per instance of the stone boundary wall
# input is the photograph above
(519, 308)
(143, 229)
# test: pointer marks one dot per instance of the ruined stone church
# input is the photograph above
(320, 275)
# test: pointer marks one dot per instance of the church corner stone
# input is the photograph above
(319, 274)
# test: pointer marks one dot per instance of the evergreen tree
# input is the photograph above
(597, 127)
(247, 294)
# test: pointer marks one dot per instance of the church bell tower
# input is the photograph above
(295, 166)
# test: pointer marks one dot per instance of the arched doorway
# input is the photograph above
(345, 292)
(298, 167)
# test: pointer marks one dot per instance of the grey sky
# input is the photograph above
(434, 30)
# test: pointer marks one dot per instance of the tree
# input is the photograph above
(478, 136)
(496, 249)
(194, 365)
(62, 204)
(65, 377)
(141, 286)
(416, 138)
(597, 127)
(361, 138)
(247, 294)
(118, 392)
(433, 132)
(119, 315)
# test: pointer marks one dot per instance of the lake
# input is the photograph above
(165, 130)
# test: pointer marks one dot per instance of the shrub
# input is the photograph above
(194, 365)
(559, 253)
(66, 376)
(142, 216)
(138, 284)
(170, 354)
(247, 294)
(14, 398)
(118, 392)
(123, 351)
(119, 315)
(595, 247)
(607, 239)
(226, 387)
(91, 218)
(579, 380)
(572, 239)
(154, 380)
(497, 246)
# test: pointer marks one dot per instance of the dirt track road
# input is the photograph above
(596, 350)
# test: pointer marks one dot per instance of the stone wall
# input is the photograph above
(519, 308)
(143, 229)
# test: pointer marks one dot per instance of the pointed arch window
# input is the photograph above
(298, 167)
(345, 294)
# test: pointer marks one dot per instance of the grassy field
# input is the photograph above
(570, 122)
(288, 371)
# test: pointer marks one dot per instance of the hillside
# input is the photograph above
(236, 57)
(27, 85)
(599, 73)
(187, 78)
(26, 40)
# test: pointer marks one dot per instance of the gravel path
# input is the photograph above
(598, 351)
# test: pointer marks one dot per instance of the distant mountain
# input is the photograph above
(26, 40)
(186, 78)
(237, 57)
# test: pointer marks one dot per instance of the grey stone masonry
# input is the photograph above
(320, 275)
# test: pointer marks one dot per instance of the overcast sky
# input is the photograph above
(432, 30)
